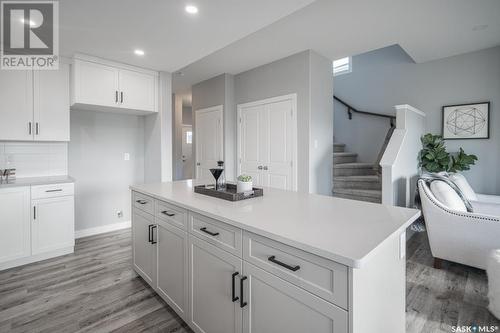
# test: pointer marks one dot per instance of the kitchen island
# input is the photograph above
(284, 262)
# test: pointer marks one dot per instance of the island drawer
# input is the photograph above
(143, 202)
(322, 277)
(172, 214)
(52, 190)
(215, 232)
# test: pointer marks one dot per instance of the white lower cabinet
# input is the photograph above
(14, 223)
(52, 224)
(144, 249)
(214, 290)
(212, 272)
(172, 259)
(275, 306)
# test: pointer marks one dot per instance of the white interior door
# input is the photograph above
(267, 144)
(208, 140)
(187, 152)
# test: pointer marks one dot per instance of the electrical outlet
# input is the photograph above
(126, 157)
(119, 214)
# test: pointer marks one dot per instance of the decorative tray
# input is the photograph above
(230, 192)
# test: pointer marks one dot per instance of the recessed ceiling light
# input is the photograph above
(191, 9)
(139, 52)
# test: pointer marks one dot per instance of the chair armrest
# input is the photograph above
(488, 198)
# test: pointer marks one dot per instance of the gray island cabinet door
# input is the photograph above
(276, 306)
(172, 245)
(144, 252)
(210, 289)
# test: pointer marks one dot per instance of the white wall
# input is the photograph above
(96, 160)
(388, 77)
(35, 159)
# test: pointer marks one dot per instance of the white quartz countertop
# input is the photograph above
(33, 181)
(345, 231)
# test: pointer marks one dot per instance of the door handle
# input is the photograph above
(116, 96)
(259, 167)
(204, 229)
(150, 238)
(153, 234)
(233, 288)
(29, 128)
(265, 167)
(142, 202)
(167, 213)
(36, 131)
(121, 97)
(34, 212)
(198, 163)
(282, 264)
(242, 303)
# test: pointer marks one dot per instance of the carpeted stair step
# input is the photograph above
(338, 147)
(357, 182)
(339, 158)
(358, 194)
(353, 169)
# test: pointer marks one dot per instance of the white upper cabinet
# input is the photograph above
(101, 85)
(16, 105)
(34, 105)
(51, 104)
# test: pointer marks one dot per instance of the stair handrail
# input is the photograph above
(351, 109)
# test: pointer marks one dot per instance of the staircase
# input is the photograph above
(353, 180)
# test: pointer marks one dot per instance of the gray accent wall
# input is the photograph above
(96, 160)
(386, 77)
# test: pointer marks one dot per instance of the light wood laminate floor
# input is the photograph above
(95, 290)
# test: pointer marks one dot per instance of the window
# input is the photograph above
(342, 66)
(189, 137)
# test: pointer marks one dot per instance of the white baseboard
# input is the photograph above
(102, 229)
(37, 257)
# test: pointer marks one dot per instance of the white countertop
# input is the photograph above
(345, 231)
(33, 181)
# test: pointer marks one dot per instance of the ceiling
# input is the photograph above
(170, 37)
(425, 29)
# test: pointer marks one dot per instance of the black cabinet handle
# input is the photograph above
(34, 212)
(142, 202)
(235, 298)
(29, 128)
(204, 229)
(153, 234)
(150, 237)
(242, 303)
(116, 96)
(167, 213)
(121, 97)
(282, 264)
(58, 190)
(36, 129)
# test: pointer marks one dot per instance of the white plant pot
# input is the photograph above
(244, 186)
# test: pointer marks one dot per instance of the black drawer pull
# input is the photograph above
(58, 190)
(204, 229)
(167, 213)
(150, 237)
(277, 262)
(153, 234)
(142, 202)
(242, 303)
(235, 298)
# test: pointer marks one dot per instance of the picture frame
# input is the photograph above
(466, 121)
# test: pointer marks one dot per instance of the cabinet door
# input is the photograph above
(276, 306)
(172, 263)
(51, 104)
(16, 105)
(53, 224)
(14, 223)
(212, 309)
(137, 90)
(95, 84)
(144, 251)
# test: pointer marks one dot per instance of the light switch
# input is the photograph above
(126, 157)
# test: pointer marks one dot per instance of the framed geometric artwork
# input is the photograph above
(466, 121)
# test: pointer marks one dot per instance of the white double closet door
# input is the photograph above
(266, 142)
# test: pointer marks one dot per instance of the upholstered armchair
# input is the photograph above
(460, 236)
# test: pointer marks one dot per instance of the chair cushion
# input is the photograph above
(447, 196)
(464, 186)
(493, 270)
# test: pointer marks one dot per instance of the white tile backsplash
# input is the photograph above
(35, 159)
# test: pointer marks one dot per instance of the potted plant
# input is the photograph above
(434, 158)
(244, 184)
